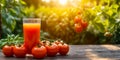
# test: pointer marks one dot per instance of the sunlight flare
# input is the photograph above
(46, 1)
(62, 2)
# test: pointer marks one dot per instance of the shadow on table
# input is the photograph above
(70, 56)
(107, 52)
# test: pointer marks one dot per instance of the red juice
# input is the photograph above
(31, 35)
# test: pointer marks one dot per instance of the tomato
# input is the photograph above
(52, 49)
(19, 51)
(39, 52)
(77, 19)
(7, 50)
(84, 24)
(63, 49)
(78, 28)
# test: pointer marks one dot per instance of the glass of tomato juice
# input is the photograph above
(31, 32)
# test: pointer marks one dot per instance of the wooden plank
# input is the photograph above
(82, 52)
(0, 23)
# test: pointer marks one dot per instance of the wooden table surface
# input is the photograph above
(82, 52)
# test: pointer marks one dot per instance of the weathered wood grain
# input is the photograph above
(0, 23)
(82, 52)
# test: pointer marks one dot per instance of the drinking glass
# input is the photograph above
(31, 32)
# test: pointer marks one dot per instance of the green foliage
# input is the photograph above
(11, 40)
(103, 17)
(12, 14)
(29, 12)
(58, 22)
(116, 37)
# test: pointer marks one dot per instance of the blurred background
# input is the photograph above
(59, 19)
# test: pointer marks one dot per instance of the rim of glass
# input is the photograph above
(31, 19)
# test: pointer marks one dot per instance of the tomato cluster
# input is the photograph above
(43, 49)
(18, 51)
(80, 24)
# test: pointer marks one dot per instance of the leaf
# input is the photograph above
(16, 37)
(106, 23)
(115, 6)
(99, 26)
(110, 12)
(13, 25)
(22, 2)
(29, 12)
(13, 12)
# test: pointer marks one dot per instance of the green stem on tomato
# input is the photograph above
(38, 45)
(8, 39)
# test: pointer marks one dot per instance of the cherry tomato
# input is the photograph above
(78, 28)
(63, 49)
(7, 50)
(77, 19)
(52, 50)
(84, 24)
(39, 52)
(19, 51)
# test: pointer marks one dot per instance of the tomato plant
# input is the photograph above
(102, 16)
(80, 24)
(7, 44)
(97, 15)
(11, 40)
